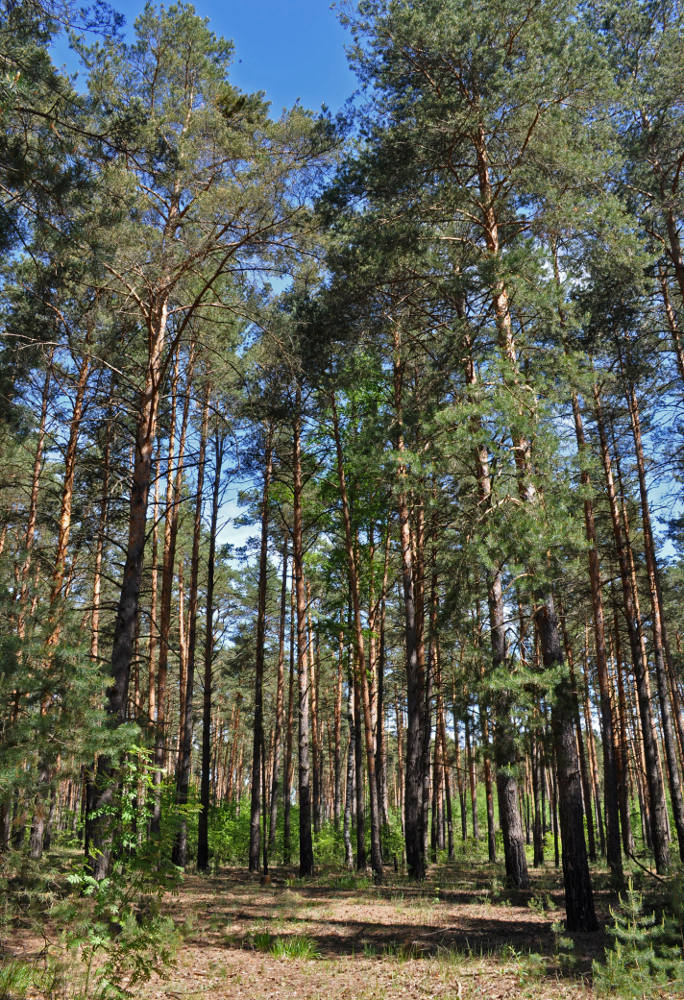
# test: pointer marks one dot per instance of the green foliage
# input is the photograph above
(646, 957)
(17, 978)
(229, 833)
(297, 946)
(116, 924)
(292, 946)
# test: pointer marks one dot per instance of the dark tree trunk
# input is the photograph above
(659, 636)
(656, 793)
(280, 680)
(613, 854)
(337, 738)
(180, 848)
(288, 766)
(258, 763)
(584, 769)
(127, 611)
(306, 858)
(203, 818)
(346, 833)
(415, 671)
(505, 750)
(579, 900)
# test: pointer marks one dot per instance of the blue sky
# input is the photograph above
(291, 49)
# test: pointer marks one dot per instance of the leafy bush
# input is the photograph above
(115, 924)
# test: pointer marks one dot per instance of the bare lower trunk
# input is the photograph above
(579, 900)
(415, 671)
(505, 750)
(180, 849)
(658, 809)
(659, 637)
(608, 741)
(306, 858)
(280, 683)
(127, 611)
(258, 729)
(205, 789)
(288, 763)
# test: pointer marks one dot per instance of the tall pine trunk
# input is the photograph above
(306, 858)
(180, 848)
(362, 676)
(258, 763)
(203, 818)
(656, 793)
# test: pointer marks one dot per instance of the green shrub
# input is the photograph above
(645, 959)
(115, 924)
(296, 946)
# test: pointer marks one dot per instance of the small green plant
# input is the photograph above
(402, 951)
(646, 958)
(563, 947)
(115, 924)
(17, 978)
(296, 946)
(540, 904)
(531, 968)
(262, 941)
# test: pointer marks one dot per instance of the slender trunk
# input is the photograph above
(306, 858)
(57, 594)
(579, 901)
(337, 801)
(658, 809)
(537, 825)
(415, 672)
(346, 831)
(280, 683)
(64, 521)
(584, 769)
(487, 767)
(472, 780)
(675, 331)
(288, 765)
(315, 726)
(25, 571)
(578, 897)
(180, 849)
(381, 741)
(360, 811)
(127, 611)
(505, 747)
(447, 774)
(622, 754)
(258, 732)
(659, 637)
(100, 543)
(203, 818)
(153, 643)
(613, 854)
(168, 569)
(361, 677)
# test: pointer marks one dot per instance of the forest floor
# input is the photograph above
(458, 935)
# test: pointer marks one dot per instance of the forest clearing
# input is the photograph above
(341, 514)
(458, 934)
